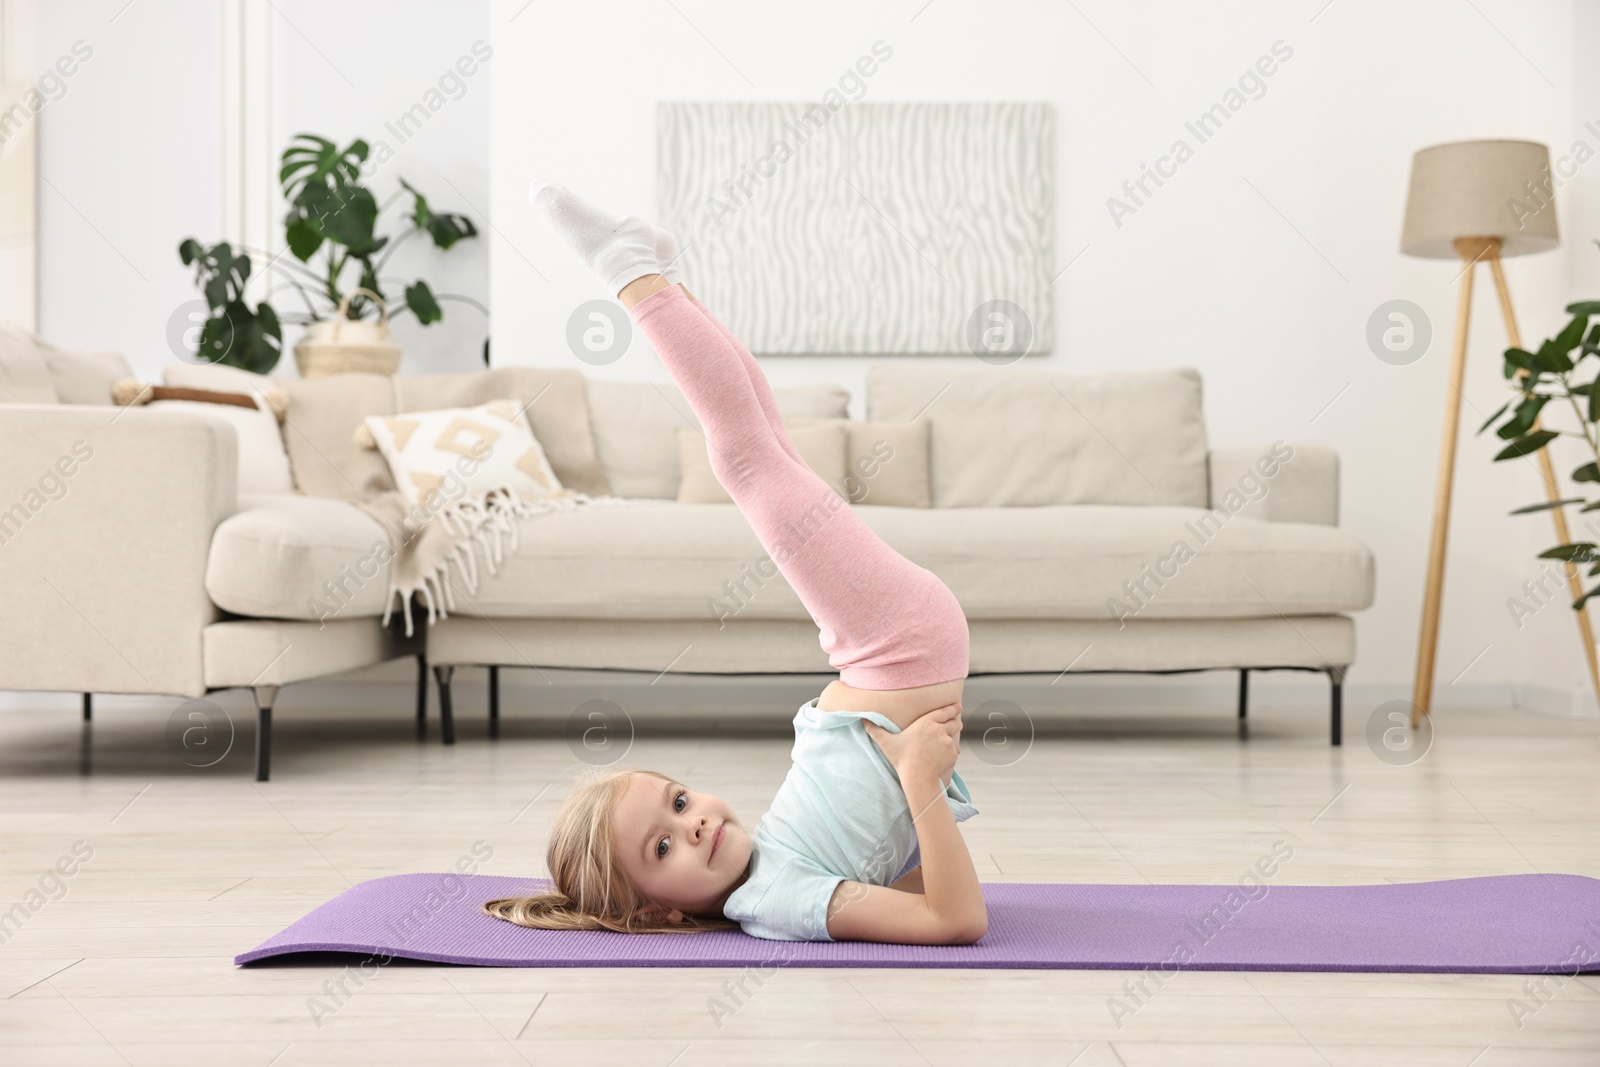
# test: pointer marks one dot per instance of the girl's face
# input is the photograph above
(681, 849)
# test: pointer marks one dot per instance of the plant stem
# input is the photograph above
(282, 261)
(396, 243)
(300, 289)
(462, 300)
(1582, 422)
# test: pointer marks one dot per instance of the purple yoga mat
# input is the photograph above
(1503, 924)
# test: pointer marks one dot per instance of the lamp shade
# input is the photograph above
(1480, 189)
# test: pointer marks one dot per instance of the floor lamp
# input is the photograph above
(1479, 201)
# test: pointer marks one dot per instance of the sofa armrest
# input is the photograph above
(106, 517)
(1277, 482)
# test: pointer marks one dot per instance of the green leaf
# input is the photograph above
(419, 208)
(216, 290)
(189, 251)
(1491, 418)
(1518, 359)
(1594, 403)
(1531, 443)
(1552, 356)
(345, 214)
(313, 160)
(303, 238)
(419, 298)
(1570, 337)
(1577, 552)
(1589, 472)
(1584, 307)
(216, 340)
(239, 337)
(1527, 413)
(1584, 599)
(263, 342)
(444, 228)
(1546, 506)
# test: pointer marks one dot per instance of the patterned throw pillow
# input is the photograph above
(438, 457)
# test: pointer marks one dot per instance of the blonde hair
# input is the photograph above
(590, 891)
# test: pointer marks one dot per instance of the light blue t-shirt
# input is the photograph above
(839, 815)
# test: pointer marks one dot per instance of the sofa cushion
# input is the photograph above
(323, 414)
(85, 377)
(634, 423)
(556, 407)
(885, 462)
(1010, 437)
(24, 375)
(438, 456)
(1002, 563)
(283, 556)
(820, 442)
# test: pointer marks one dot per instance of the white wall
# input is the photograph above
(1259, 262)
(130, 157)
(128, 167)
(353, 69)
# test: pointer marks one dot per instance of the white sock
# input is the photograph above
(667, 255)
(616, 250)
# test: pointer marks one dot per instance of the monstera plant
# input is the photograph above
(331, 230)
(1550, 374)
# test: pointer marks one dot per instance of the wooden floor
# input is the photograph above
(132, 964)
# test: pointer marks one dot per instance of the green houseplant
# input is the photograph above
(331, 230)
(1548, 374)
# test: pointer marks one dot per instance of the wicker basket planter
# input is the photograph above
(345, 346)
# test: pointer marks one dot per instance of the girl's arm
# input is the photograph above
(910, 882)
(950, 909)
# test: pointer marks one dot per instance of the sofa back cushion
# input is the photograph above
(85, 377)
(33, 371)
(554, 401)
(1004, 437)
(820, 442)
(634, 424)
(323, 415)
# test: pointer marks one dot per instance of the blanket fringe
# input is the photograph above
(480, 524)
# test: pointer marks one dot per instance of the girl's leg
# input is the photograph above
(640, 288)
(758, 379)
(885, 622)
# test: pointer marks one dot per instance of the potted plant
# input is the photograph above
(1540, 377)
(331, 230)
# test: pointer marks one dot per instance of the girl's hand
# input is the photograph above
(929, 745)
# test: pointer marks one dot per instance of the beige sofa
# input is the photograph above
(1061, 508)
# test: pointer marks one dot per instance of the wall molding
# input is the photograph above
(249, 135)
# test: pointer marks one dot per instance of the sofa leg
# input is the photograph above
(1336, 676)
(494, 702)
(86, 747)
(1244, 693)
(88, 707)
(422, 695)
(265, 696)
(447, 722)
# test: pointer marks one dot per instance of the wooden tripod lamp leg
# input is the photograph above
(1551, 488)
(1422, 692)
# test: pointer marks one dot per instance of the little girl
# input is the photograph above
(861, 841)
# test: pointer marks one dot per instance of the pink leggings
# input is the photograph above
(885, 622)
